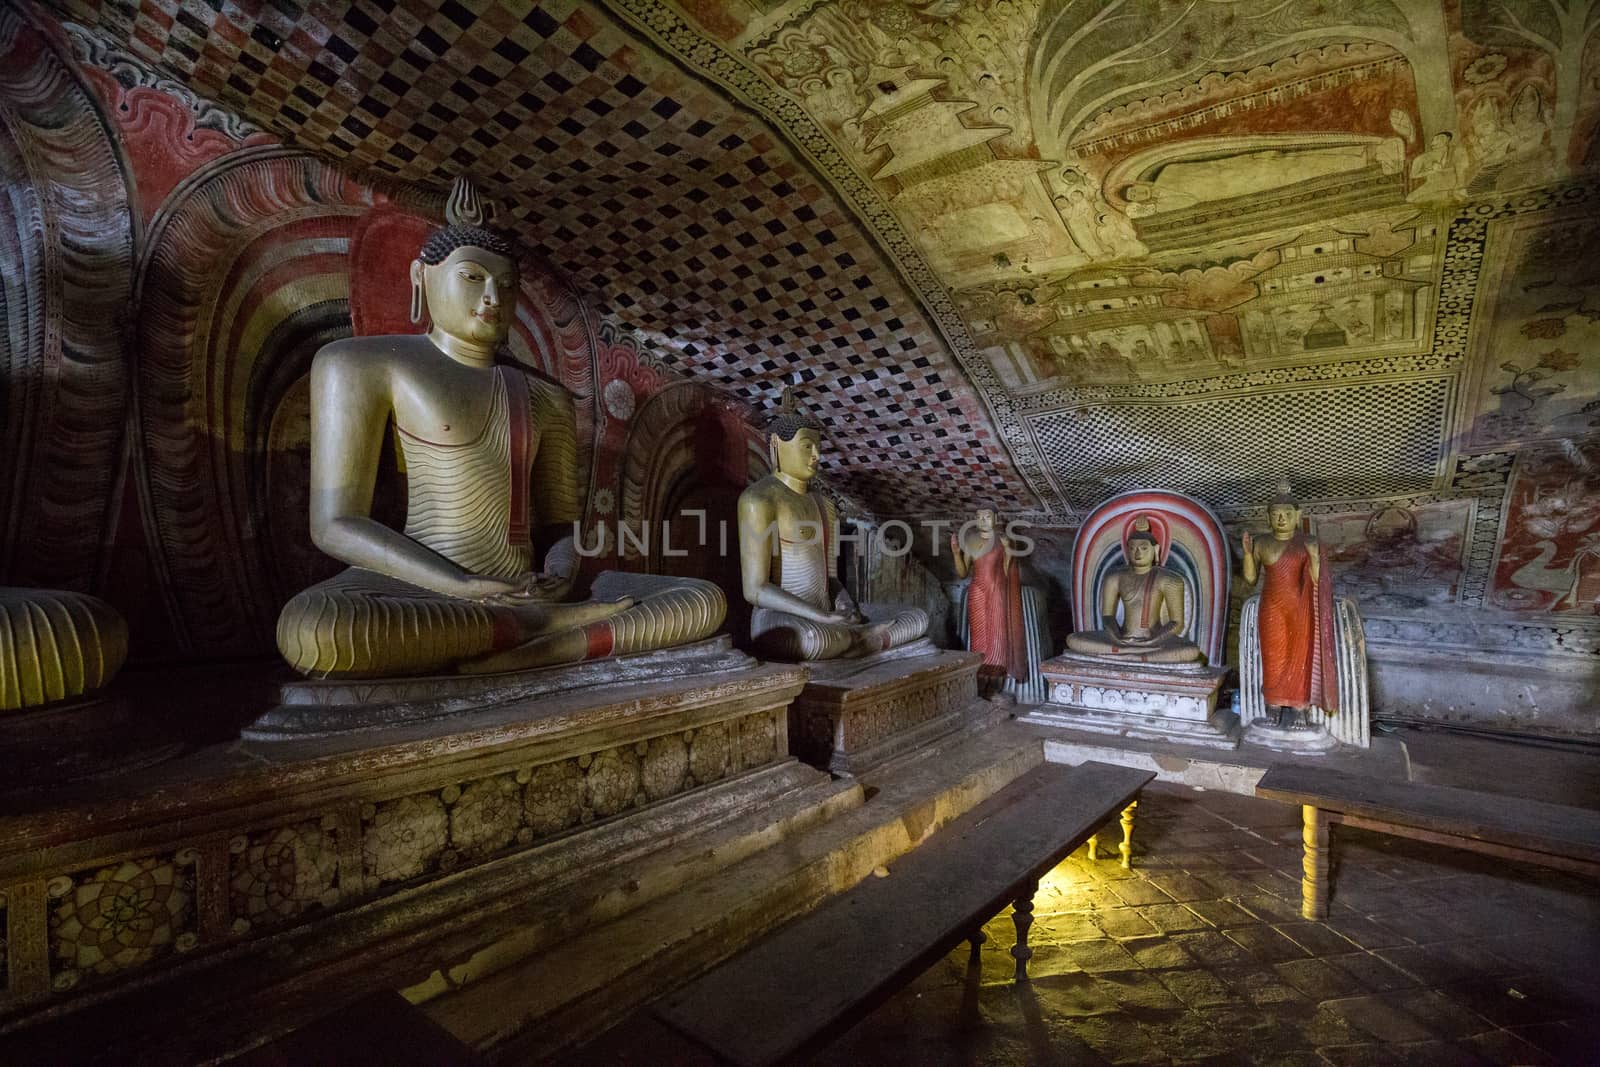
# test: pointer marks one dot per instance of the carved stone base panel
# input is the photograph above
(307, 851)
(320, 708)
(851, 721)
(1152, 702)
(1306, 740)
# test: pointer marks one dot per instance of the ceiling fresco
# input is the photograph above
(1035, 252)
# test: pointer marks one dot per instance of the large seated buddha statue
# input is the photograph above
(788, 549)
(490, 454)
(1151, 601)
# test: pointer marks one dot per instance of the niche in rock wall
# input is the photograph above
(688, 456)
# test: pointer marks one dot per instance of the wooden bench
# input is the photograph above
(1533, 831)
(811, 980)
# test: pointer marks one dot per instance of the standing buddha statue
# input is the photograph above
(994, 600)
(1296, 615)
(788, 548)
(490, 453)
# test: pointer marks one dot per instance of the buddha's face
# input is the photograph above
(471, 295)
(1142, 552)
(798, 457)
(986, 520)
(1283, 518)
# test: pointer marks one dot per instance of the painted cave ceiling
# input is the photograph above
(1030, 252)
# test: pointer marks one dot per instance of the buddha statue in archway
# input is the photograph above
(490, 454)
(1151, 599)
(788, 547)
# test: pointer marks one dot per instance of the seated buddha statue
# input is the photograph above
(490, 455)
(1152, 602)
(788, 548)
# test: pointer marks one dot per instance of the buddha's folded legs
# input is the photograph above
(902, 627)
(363, 624)
(782, 636)
(1168, 649)
(666, 611)
(359, 624)
(55, 645)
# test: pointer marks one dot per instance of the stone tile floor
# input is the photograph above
(1199, 955)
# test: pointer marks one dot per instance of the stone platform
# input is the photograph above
(1146, 701)
(1234, 770)
(202, 903)
(326, 708)
(520, 1015)
(855, 714)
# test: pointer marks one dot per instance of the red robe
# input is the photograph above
(1296, 621)
(994, 615)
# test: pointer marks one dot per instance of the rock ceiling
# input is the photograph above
(1031, 252)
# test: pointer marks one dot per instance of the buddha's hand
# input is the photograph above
(1247, 542)
(546, 585)
(524, 588)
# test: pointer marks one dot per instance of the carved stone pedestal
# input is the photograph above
(325, 708)
(244, 888)
(855, 714)
(1151, 701)
(1309, 740)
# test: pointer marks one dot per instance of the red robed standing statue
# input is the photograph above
(994, 600)
(1298, 670)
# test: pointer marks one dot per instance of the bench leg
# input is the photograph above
(1314, 885)
(1022, 916)
(1127, 836)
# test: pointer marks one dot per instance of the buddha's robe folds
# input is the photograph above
(473, 503)
(1296, 623)
(994, 615)
(1137, 641)
(803, 551)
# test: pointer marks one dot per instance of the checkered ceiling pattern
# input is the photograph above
(680, 214)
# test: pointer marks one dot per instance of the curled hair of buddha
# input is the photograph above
(466, 217)
(790, 418)
(447, 239)
(1142, 532)
(1283, 493)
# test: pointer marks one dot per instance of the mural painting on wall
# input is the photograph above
(1550, 557)
(1397, 557)
(1537, 342)
(1120, 192)
(1525, 88)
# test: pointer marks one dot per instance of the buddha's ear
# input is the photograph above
(418, 300)
(772, 451)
